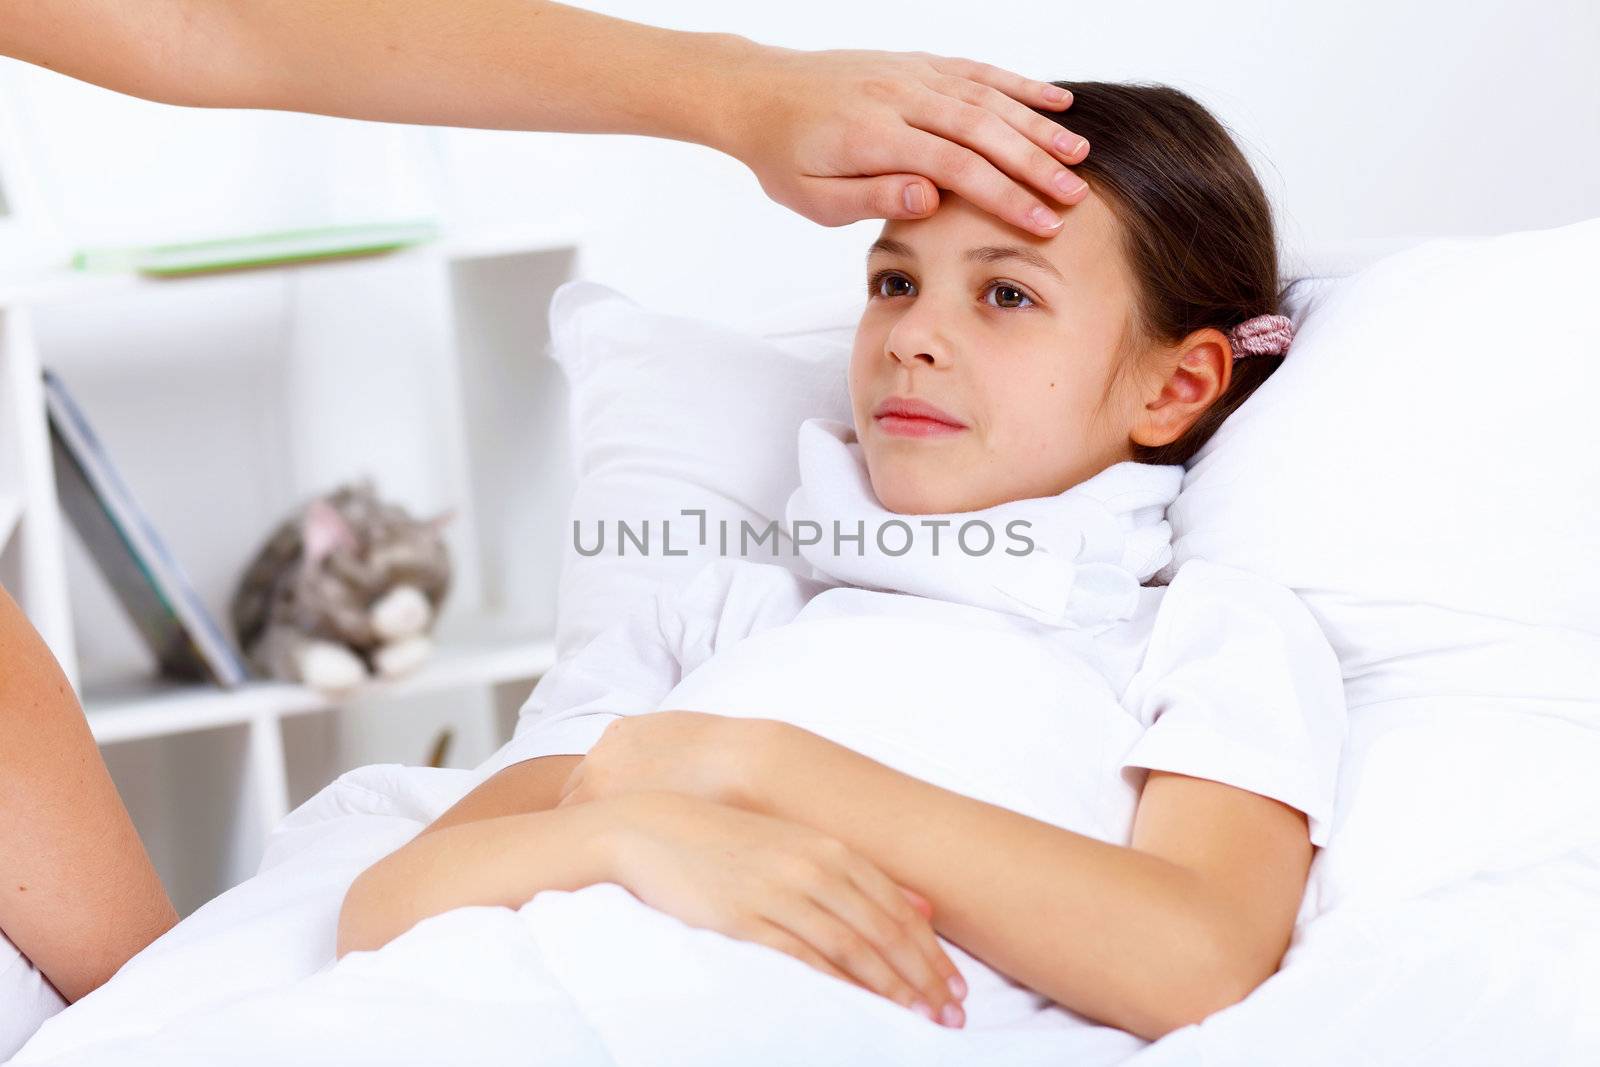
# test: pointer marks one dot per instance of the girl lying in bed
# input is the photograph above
(996, 755)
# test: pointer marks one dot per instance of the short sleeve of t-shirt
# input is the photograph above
(630, 667)
(1240, 685)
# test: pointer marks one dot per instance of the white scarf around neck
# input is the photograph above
(1093, 544)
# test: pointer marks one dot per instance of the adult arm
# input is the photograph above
(78, 894)
(835, 135)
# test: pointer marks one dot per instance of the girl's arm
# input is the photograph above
(746, 875)
(459, 862)
(78, 894)
(474, 854)
(1187, 920)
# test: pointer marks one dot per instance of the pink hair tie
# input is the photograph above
(1264, 335)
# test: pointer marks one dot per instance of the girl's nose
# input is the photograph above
(924, 357)
(916, 339)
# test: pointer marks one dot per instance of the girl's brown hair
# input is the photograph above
(1197, 227)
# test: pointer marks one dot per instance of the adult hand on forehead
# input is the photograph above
(836, 135)
(843, 135)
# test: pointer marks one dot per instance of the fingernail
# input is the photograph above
(923, 1010)
(1072, 186)
(1045, 218)
(1055, 94)
(916, 200)
(1070, 146)
(951, 1015)
(958, 988)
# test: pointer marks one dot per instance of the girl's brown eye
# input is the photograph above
(1010, 293)
(881, 284)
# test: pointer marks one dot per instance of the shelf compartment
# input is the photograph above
(481, 653)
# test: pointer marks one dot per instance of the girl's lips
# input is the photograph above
(914, 426)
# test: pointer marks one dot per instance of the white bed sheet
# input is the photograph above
(1491, 969)
(28, 998)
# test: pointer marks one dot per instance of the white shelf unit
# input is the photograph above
(227, 400)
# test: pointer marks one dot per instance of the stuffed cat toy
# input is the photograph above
(345, 590)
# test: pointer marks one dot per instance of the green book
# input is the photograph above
(258, 250)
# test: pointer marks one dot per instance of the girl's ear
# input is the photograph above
(1196, 374)
(1208, 355)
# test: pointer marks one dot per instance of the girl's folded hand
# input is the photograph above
(762, 879)
(690, 752)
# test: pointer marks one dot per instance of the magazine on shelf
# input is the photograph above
(146, 579)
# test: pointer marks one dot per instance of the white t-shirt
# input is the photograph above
(1221, 675)
(1046, 683)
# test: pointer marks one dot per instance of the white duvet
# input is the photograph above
(1498, 967)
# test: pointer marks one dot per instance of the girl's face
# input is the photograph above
(1014, 341)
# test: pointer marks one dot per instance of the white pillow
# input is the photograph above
(1423, 472)
(1430, 435)
(672, 413)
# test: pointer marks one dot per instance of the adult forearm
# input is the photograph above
(1117, 934)
(507, 64)
(81, 896)
(500, 861)
(78, 894)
